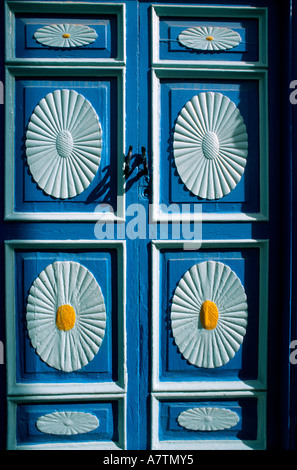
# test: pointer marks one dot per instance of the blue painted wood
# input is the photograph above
(245, 95)
(281, 412)
(3, 415)
(102, 93)
(245, 429)
(104, 366)
(27, 415)
(100, 43)
(171, 49)
(104, 46)
(243, 366)
(271, 230)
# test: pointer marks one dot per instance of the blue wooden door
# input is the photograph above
(142, 230)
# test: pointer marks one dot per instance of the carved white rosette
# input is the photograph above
(65, 35)
(66, 423)
(209, 314)
(210, 145)
(66, 316)
(209, 38)
(63, 144)
(207, 419)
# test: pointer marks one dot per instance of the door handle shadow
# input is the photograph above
(103, 189)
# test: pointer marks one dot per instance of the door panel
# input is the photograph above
(105, 264)
(176, 96)
(192, 367)
(102, 88)
(73, 369)
(232, 193)
(172, 432)
(247, 261)
(169, 21)
(174, 350)
(104, 41)
(171, 28)
(185, 83)
(66, 300)
(27, 198)
(100, 42)
(31, 198)
(30, 436)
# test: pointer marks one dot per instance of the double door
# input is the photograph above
(141, 256)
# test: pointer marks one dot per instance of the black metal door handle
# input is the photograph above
(128, 161)
(144, 161)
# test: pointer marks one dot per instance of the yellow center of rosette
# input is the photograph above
(65, 318)
(209, 38)
(209, 315)
(66, 35)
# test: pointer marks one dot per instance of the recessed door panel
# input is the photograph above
(209, 423)
(37, 367)
(189, 355)
(208, 34)
(100, 97)
(72, 37)
(83, 116)
(68, 425)
(219, 190)
(67, 316)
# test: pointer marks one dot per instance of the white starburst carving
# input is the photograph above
(65, 35)
(65, 423)
(210, 145)
(66, 316)
(63, 144)
(209, 38)
(207, 419)
(209, 346)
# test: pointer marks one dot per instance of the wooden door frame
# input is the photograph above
(284, 329)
